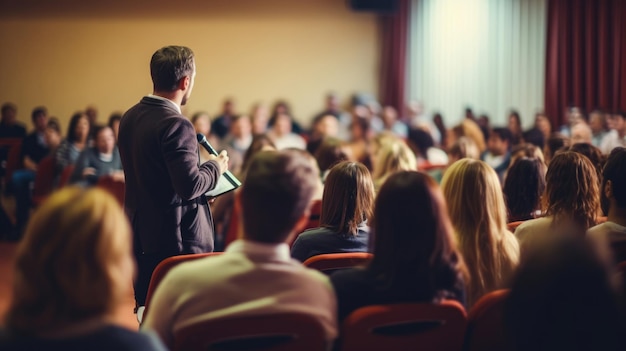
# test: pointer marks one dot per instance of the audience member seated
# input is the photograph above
(114, 123)
(101, 160)
(478, 213)
(572, 199)
(255, 275)
(329, 153)
(498, 155)
(469, 129)
(598, 125)
(393, 156)
(524, 185)
(415, 254)
(237, 141)
(441, 128)
(52, 135)
(573, 116)
(9, 126)
(463, 147)
(554, 143)
(515, 129)
(260, 117)
(347, 205)
(75, 142)
(360, 136)
(617, 134)
(581, 133)
(418, 119)
(72, 270)
(221, 124)
(593, 154)
(391, 123)
(281, 107)
(526, 150)
(332, 108)
(202, 124)
(563, 298)
(542, 123)
(612, 233)
(423, 146)
(34, 149)
(281, 134)
(327, 126)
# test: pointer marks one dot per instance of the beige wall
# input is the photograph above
(79, 53)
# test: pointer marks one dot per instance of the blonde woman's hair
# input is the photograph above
(478, 214)
(73, 264)
(470, 129)
(393, 156)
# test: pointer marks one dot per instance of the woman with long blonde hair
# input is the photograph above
(479, 216)
(73, 268)
(393, 155)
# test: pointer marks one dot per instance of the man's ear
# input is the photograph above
(184, 82)
(608, 189)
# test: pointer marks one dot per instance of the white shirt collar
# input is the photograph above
(175, 105)
(279, 252)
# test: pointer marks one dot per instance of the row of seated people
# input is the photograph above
(429, 245)
(48, 161)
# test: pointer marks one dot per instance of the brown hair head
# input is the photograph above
(414, 241)
(572, 189)
(276, 193)
(169, 65)
(348, 197)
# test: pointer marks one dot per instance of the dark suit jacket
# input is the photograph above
(165, 186)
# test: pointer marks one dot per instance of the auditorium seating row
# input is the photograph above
(406, 326)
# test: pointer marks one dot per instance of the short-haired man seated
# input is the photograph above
(256, 274)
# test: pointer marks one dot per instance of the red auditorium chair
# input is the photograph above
(165, 266)
(513, 225)
(113, 186)
(65, 175)
(334, 261)
(44, 180)
(274, 332)
(13, 162)
(410, 326)
(485, 330)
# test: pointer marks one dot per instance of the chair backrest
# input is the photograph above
(165, 266)
(65, 175)
(116, 187)
(411, 326)
(13, 160)
(334, 261)
(513, 225)
(314, 216)
(485, 329)
(272, 332)
(44, 180)
(234, 224)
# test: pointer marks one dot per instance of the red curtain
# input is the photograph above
(585, 56)
(395, 41)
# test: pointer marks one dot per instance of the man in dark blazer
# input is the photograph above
(165, 184)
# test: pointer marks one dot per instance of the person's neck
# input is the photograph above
(617, 215)
(621, 133)
(174, 96)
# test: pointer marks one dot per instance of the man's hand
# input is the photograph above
(222, 160)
